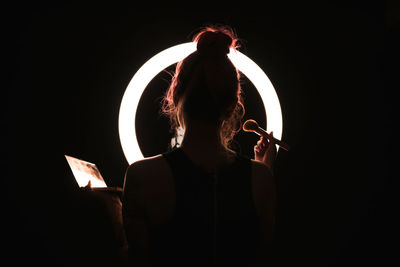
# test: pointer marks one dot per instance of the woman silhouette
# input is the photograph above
(202, 204)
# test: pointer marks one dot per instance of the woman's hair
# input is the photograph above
(206, 85)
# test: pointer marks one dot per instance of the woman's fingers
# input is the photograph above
(261, 146)
(265, 150)
(259, 141)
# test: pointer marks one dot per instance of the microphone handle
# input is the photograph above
(280, 143)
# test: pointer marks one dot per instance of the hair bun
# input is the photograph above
(214, 44)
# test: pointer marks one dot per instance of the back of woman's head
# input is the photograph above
(206, 85)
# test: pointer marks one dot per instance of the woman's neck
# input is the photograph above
(202, 144)
(201, 137)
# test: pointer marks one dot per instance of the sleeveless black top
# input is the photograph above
(214, 223)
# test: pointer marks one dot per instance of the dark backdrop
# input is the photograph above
(71, 63)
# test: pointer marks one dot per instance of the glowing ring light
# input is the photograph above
(139, 82)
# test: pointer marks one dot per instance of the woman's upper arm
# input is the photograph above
(264, 191)
(133, 203)
(265, 201)
(134, 214)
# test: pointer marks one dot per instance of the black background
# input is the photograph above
(71, 63)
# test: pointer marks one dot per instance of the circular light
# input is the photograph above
(139, 82)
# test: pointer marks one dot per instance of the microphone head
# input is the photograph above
(250, 126)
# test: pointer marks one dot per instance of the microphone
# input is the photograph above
(252, 126)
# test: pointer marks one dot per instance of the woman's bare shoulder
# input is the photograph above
(148, 162)
(150, 181)
(148, 168)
